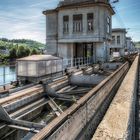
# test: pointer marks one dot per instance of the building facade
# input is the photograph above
(118, 43)
(130, 45)
(79, 28)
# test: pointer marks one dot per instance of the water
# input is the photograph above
(7, 74)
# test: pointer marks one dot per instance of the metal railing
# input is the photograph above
(74, 62)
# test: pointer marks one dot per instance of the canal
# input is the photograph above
(7, 74)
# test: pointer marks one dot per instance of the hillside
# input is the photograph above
(20, 42)
(10, 50)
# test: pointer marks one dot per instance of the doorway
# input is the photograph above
(83, 50)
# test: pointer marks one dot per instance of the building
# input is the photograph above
(79, 28)
(130, 45)
(4, 50)
(118, 44)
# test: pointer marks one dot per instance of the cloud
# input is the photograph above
(18, 23)
(24, 18)
(47, 4)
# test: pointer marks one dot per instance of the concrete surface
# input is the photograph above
(118, 123)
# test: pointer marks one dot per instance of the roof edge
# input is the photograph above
(83, 4)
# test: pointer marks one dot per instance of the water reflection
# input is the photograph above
(7, 74)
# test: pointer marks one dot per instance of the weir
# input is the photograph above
(64, 108)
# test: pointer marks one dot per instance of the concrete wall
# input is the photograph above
(54, 25)
(118, 123)
(66, 50)
(100, 15)
(51, 33)
(100, 52)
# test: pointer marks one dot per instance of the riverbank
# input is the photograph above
(8, 63)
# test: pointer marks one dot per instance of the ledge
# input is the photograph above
(118, 123)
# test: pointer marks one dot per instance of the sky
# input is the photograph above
(24, 19)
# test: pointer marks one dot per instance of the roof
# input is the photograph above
(39, 58)
(119, 30)
(80, 3)
(128, 38)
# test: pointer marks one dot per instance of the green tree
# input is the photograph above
(13, 52)
(21, 52)
(28, 51)
(34, 51)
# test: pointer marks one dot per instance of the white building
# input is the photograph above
(118, 44)
(79, 28)
(130, 45)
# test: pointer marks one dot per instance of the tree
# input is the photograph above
(28, 51)
(34, 51)
(21, 52)
(13, 52)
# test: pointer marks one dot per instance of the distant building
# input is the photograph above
(80, 28)
(4, 50)
(118, 44)
(130, 45)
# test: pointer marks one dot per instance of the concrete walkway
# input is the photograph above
(119, 121)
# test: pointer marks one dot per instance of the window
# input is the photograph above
(90, 21)
(65, 24)
(113, 39)
(108, 25)
(77, 23)
(118, 39)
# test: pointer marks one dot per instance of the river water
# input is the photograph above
(7, 74)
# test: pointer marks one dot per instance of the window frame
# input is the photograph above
(90, 20)
(113, 39)
(118, 40)
(77, 23)
(65, 24)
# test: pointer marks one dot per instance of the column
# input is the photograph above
(84, 24)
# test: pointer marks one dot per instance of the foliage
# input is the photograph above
(34, 51)
(19, 48)
(137, 44)
(22, 52)
(13, 52)
(22, 42)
